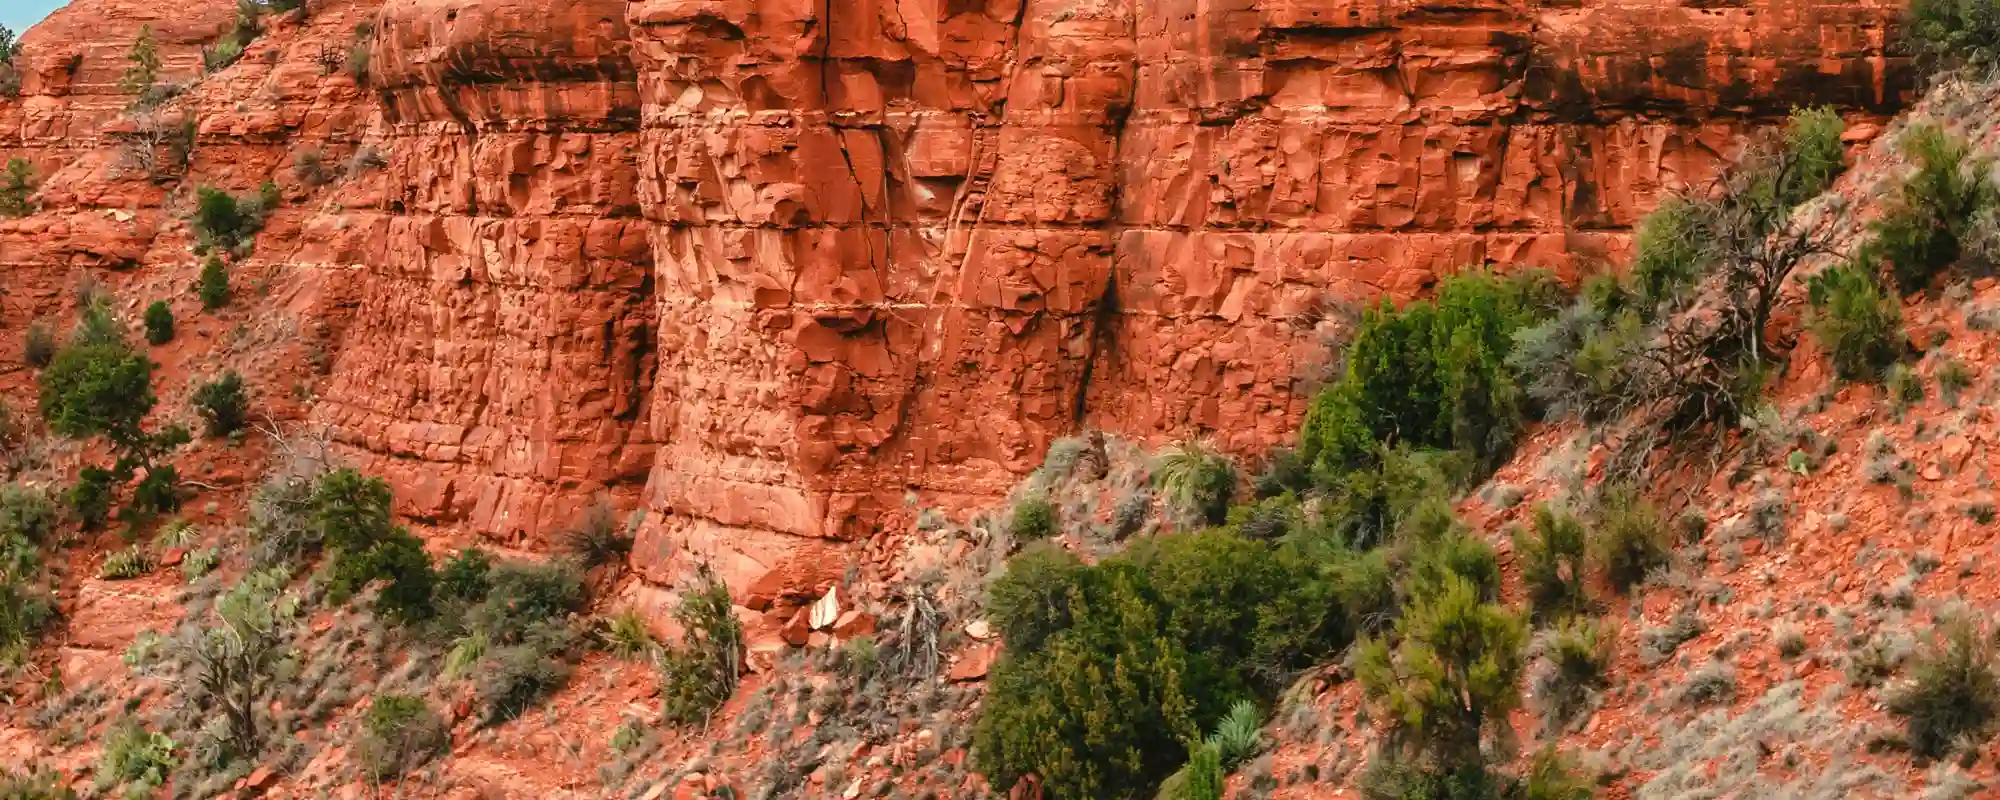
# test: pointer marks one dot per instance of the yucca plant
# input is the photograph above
(626, 635)
(466, 653)
(1239, 735)
(127, 564)
(598, 539)
(1197, 481)
(176, 533)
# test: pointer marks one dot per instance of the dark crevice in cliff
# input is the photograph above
(1104, 322)
(827, 66)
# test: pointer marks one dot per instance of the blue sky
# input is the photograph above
(20, 14)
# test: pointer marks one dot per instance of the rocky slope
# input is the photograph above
(776, 274)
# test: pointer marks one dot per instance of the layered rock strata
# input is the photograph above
(772, 269)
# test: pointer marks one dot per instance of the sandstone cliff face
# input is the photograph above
(765, 267)
(901, 246)
(499, 353)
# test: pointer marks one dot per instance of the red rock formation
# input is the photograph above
(500, 351)
(767, 266)
(902, 245)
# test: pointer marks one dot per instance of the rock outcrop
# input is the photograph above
(765, 268)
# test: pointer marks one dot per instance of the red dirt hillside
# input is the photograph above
(799, 302)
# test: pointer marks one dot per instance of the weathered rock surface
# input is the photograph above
(766, 267)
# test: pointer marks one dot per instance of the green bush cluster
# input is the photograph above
(398, 733)
(513, 643)
(28, 521)
(128, 564)
(98, 388)
(1429, 375)
(351, 519)
(1033, 518)
(1953, 695)
(1551, 556)
(159, 323)
(34, 785)
(1597, 357)
(1950, 34)
(90, 497)
(1672, 253)
(222, 404)
(1631, 538)
(1577, 652)
(135, 757)
(1448, 683)
(223, 222)
(17, 189)
(213, 284)
(700, 674)
(1190, 624)
(1922, 231)
(1857, 321)
(100, 385)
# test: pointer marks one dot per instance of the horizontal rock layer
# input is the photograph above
(769, 267)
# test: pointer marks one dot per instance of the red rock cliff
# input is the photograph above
(767, 266)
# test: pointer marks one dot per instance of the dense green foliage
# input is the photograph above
(513, 642)
(1630, 537)
(98, 388)
(398, 733)
(1429, 375)
(1551, 559)
(159, 323)
(1947, 34)
(134, 756)
(466, 576)
(28, 520)
(350, 515)
(213, 284)
(700, 674)
(1672, 253)
(1156, 643)
(26, 515)
(17, 187)
(1857, 321)
(1034, 517)
(1816, 157)
(224, 222)
(1577, 652)
(1451, 679)
(1113, 670)
(222, 404)
(90, 497)
(1922, 231)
